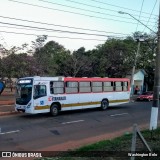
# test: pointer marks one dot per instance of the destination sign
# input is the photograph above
(23, 81)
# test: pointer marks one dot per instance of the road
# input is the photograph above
(42, 132)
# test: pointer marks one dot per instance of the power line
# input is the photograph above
(121, 12)
(84, 9)
(43, 29)
(59, 36)
(71, 12)
(50, 24)
(119, 6)
(140, 14)
(102, 8)
(55, 30)
(150, 15)
(155, 27)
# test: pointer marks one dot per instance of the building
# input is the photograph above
(138, 80)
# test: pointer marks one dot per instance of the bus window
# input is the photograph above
(125, 86)
(108, 86)
(51, 87)
(118, 86)
(84, 87)
(56, 87)
(71, 87)
(96, 86)
(39, 91)
(23, 93)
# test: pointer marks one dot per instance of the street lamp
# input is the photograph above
(155, 105)
(139, 39)
(120, 12)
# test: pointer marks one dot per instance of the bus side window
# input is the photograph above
(39, 91)
(42, 92)
(51, 87)
(56, 87)
(125, 86)
(71, 87)
(118, 86)
(96, 86)
(108, 86)
(84, 87)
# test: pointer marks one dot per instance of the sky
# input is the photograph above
(75, 23)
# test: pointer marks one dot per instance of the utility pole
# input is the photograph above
(155, 105)
(133, 69)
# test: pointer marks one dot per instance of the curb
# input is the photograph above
(9, 113)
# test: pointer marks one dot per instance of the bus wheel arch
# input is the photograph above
(55, 108)
(104, 104)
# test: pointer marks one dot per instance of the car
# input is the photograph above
(146, 96)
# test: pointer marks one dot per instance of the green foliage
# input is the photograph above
(114, 58)
(20, 65)
(51, 57)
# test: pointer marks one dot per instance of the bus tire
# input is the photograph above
(104, 104)
(54, 110)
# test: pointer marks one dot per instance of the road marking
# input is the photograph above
(73, 122)
(9, 132)
(120, 114)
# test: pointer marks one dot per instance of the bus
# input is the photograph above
(55, 94)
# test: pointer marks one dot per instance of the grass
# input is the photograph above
(115, 149)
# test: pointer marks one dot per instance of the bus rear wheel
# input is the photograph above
(104, 104)
(54, 110)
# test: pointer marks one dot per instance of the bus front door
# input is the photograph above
(40, 99)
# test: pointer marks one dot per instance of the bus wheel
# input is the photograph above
(54, 110)
(104, 104)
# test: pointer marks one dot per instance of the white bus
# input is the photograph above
(55, 94)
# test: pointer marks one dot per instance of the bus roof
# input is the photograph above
(60, 78)
(94, 79)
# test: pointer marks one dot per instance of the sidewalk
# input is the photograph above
(7, 97)
(7, 101)
(7, 91)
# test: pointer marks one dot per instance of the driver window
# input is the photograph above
(39, 91)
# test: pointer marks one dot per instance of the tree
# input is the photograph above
(20, 65)
(50, 57)
(114, 57)
(39, 42)
(79, 63)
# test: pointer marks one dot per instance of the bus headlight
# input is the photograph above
(29, 105)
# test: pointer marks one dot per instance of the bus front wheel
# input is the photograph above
(104, 104)
(54, 110)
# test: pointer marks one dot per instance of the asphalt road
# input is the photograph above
(37, 132)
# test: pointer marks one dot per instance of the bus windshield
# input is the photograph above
(23, 93)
